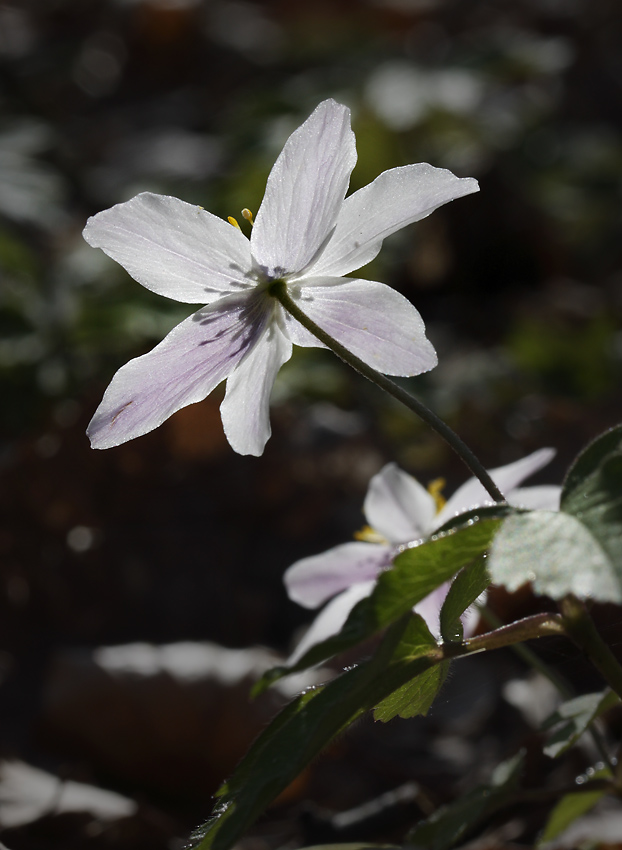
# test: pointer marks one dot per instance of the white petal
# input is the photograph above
(184, 368)
(396, 198)
(543, 497)
(305, 191)
(245, 409)
(430, 608)
(173, 248)
(371, 320)
(311, 581)
(330, 620)
(398, 507)
(507, 478)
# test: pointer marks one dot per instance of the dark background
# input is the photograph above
(174, 537)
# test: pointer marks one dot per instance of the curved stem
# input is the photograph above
(279, 291)
(580, 627)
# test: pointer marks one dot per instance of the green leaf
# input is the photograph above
(591, 457)
(556, 553)
(570, 808)
(468, 586)
(307, 724)
(578, 550)
(572, 718)
(415, 697)
(416, 572)
(449, 823)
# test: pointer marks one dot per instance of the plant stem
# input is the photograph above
(539, 625)
(279, 291)
(581, 629)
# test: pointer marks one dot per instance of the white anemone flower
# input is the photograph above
(306, 234)
(400, 510)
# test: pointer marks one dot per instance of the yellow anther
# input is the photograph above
(247, 214)
(232, 221)
(368, 535)
(434, 489)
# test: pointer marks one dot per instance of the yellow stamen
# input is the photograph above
(434, 489)
(368, 535)
(232, 221)
(247, 214)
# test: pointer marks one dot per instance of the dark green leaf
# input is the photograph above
(299, 732)
(467, 586)
(416, 572)
(415, 697)
(449, 823)
(591, 457)
(573, 717)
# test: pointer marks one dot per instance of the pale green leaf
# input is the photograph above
(572, 718)
(570, 808)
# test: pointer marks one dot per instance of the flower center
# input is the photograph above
(246, 213)
(434, 489)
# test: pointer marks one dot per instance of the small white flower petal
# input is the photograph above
(173, 248)
(311, 581)
(371, 320)
(184, 368)
(507, 478)
(542, 497)
(305, 191)
(393, 200)
(331, 619)
(245, 409)
(398, 507)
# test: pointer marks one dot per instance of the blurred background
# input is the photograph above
(174, 537)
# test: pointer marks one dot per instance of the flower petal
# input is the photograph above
(305, 191)
(184, 368)
(430, 608)
(507, 478)
(311, 581)
(330, 620)
(370, 319)
(395, 198)
(173, 248)
(398, 507)
(245, 409)
(543, 497)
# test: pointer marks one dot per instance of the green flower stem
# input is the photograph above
(279, 291)
(580, 628)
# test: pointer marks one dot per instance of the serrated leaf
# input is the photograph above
(467, 586)
(449, 823)
(416, 572)
(415, 697)
(570, 808)
(572, 718)
(578, 550)
(556, 553)
(307, 724)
